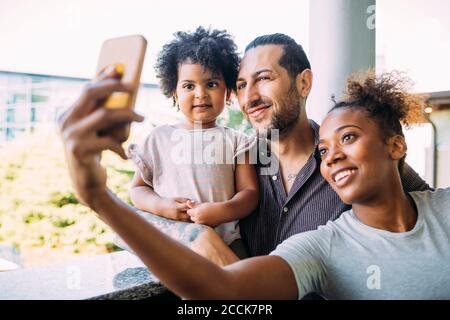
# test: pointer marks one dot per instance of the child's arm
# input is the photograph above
(200, 238)
(146, 199)
(242, 204)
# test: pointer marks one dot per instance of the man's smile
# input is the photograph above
(256, 112)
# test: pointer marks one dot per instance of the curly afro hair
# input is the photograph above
(213, 49)
(384, 98)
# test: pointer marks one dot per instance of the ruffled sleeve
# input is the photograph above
(141, 156)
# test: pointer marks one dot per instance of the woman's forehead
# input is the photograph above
(344, 117)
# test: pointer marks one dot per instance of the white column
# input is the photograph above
(341, 41)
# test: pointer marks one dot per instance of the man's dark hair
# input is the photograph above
(294, 58)
(213, 49)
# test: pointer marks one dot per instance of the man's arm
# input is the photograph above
(182, 230)
(198, 237)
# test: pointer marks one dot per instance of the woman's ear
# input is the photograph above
(303, 82)
(397, 147)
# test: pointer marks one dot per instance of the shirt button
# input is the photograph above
(274, 178)
(285, 209)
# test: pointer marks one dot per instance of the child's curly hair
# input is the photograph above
(385, 100)
(213, 49)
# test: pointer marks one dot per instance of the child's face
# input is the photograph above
(200, 94)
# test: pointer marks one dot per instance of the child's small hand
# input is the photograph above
(204, 213)
(174, 208)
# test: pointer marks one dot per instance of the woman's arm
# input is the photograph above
(189, 274)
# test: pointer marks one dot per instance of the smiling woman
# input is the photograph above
(362, 147)
(356, 140)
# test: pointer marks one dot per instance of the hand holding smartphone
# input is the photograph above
(126, 55)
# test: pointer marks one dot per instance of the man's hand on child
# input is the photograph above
(174, 208)
(208, 213)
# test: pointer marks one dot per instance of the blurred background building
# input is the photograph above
(31, 102)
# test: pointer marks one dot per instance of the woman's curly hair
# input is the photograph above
(213, 49)
(385, 100)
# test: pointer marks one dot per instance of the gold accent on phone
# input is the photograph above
(118, 99)
(126, 54)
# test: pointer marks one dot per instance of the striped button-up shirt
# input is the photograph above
(311, 202)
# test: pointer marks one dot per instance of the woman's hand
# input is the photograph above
(79, 127)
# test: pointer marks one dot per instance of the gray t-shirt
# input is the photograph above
(346, 259)
(195, 164)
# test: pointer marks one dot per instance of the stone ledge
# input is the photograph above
(119, 275)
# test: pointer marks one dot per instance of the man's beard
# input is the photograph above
(288, 113)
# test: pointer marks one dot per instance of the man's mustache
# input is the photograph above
(259, 102)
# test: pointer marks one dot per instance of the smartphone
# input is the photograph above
(126, 55)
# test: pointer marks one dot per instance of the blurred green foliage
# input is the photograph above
(234, 118)
(39, 211)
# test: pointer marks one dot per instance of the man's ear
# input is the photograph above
(303, 82)
(397, 147)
